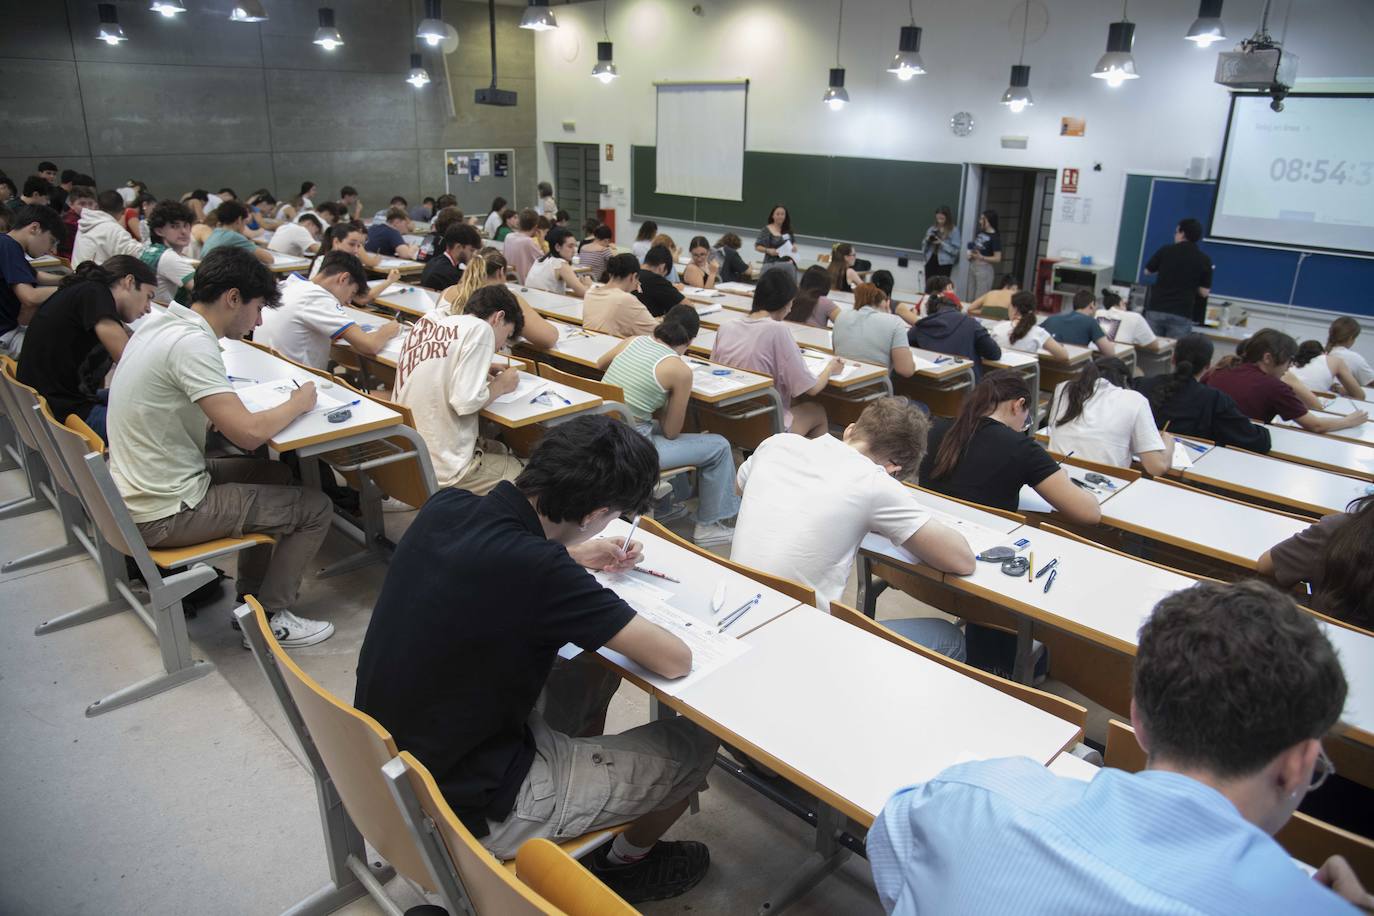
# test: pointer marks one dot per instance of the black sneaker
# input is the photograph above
(670, 869)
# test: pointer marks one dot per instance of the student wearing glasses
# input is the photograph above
(1235, 688)
(984, 455)
(704, 268)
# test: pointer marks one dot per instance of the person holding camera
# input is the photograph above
(941, 245)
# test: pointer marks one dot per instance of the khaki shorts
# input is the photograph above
(578, 785)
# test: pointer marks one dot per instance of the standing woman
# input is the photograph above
(843, 276)
(548, 207)
(495, 217)
(776, 244)
(703, 269)
(983, 252)
(645, 239)
(941, 249)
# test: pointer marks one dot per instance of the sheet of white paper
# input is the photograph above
(632, 589)
(701, 292)
(1182, 458)
(710, 648)
(526, 388)
(736, 287)
(266, 395)
(705, 381)
(786, 249)
(816, 362)
(705, 309)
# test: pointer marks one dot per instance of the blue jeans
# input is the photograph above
(96, 421)
(710, 455)
(1167, 324)
(933, 633)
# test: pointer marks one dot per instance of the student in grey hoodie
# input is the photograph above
(99, 236)
(946, 329)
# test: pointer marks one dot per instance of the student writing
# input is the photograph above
(1190, 408)
(870, 332)
(813, 306)
(1098, 417)
(1256, 384)
(1020, 332)
(1079, 327)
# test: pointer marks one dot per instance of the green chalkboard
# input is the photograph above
(1134, 206)
(886, 202)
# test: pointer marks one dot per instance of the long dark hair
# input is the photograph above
(991, 217)
(995, 388)
(679, 326)
(1192, 353)
(620, 265)
(814, 283)
(1308, 351)
(1079, 390)
(949, 220)
(935, 304)
(786, 218)
(1267, 340)
(839, 270)
(1347, 568)
(1023, 302)
(647, 230)
(1342, 333)
(111, 272)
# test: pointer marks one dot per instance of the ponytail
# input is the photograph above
(1343, 332)
(620, 265)
(111, 272)
(815, 282)
(1109, 298)
(1309, 351)
(1023, 302)
(680, 325)
(480, 269)
(1077, 391)
(995, 388)
(839, 270)
(1267, 340)
(1192, 353)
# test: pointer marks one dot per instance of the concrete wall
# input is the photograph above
(201, 101)
(1174, 112)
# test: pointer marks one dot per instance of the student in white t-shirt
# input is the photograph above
(311, 316)
(808, 503)
(1022, 333)
(1339, 341)
(1123, 325)
(1098, 417)
(553, 271)
(298, 239)
(169, 232)
(1317, 370)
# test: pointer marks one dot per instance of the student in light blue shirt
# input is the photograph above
(1079, 326)
(1234, 689)
(232, 217)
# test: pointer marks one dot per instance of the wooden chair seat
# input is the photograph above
(175, 557)
(558, 878)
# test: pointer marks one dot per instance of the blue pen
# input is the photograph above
(353, 403)
(1050, 580)
(740, 612)
(238, 378)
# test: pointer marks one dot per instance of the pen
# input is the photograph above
(239, 378)
(353, 403)
(634, 526)
(1050, 580)
(740, 612)
(1047, 567)
(296, 383)
(653, 572)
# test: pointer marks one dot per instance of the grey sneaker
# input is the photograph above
(716, 533)
(293, 632)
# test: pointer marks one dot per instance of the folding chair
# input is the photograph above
(365, 790)
(83, 454)
(561, 880)
(1304, 837)
(23, 451)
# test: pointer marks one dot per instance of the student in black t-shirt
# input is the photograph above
(984, 455)
(88, 311)
(1190, 408)
(657, 294)
(459, 662)
(443, 270)
(1183, 282)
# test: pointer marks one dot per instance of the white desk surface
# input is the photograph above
(717, 317)
(1071, 767)
(981, 529)
(1356, 652)
(855, 373)
(45, 262)
(930, 364)
(413, 300)
(1280, 481)
(1012, 359)
(1031, 501)
(704, 342)
(404, 265)
(523, 413)
(1364, 433)
(243, 360)
(550, 305)
(1236, 532)
(884, 730)
(728, 300)
(579, 346)
(1340, 455)
(810, 336)
(369, 321)
(1344, 405)
(1097, 593)
(285, 263)
(700, 576)
(736, 382)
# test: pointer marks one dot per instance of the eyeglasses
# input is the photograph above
(1322, 770)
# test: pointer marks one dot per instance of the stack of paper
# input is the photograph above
(528, 387)
(706, 381)
(266, 395)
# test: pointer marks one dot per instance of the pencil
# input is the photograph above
(1166, 426)
(1030, 570)
(653, 572)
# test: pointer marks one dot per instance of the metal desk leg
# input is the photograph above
(376, 548)
(1022, 671)
(866, 596)
(1035, 395)
(829, 855)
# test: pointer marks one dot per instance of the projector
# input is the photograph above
(1263, 66)
(505, 98)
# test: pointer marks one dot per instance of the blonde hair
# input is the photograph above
(666, 241)
(480, 269)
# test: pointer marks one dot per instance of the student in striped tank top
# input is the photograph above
(658, 384)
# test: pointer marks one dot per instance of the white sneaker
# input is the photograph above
(392, 504)
(662, 489)
(293, 632)
(705, 535)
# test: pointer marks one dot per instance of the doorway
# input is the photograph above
(1024, 202)
(577, 181)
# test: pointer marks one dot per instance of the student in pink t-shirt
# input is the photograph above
(761, 343)
(520, 248)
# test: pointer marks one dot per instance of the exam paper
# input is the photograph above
(710, 648)
(701, 292)
(816, 362)
(1182, 460)
(735, 287)
(266, 395)
(527, 388)
(705, 381)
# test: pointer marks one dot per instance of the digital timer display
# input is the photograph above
(1321, 171)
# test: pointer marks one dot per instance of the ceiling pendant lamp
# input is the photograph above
(418, 76)
(168, 8)
(907, 63)
(431, 30)
(327, 36)
(248, 11)
(1207, 28)
(538, 17)
(605, 59)
(1018, 95)
(836, 97)
(1117, 65)
(109, 31)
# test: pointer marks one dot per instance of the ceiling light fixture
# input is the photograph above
(1208, 27)
(538, 17)
(109, 31)
(248, 11)
(907, 62)
(1117, 65)
(605, 60)
(1018, 95)
(836, 97)
(327, 36)
(431, 30)
(419, 76)
(168, 8)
